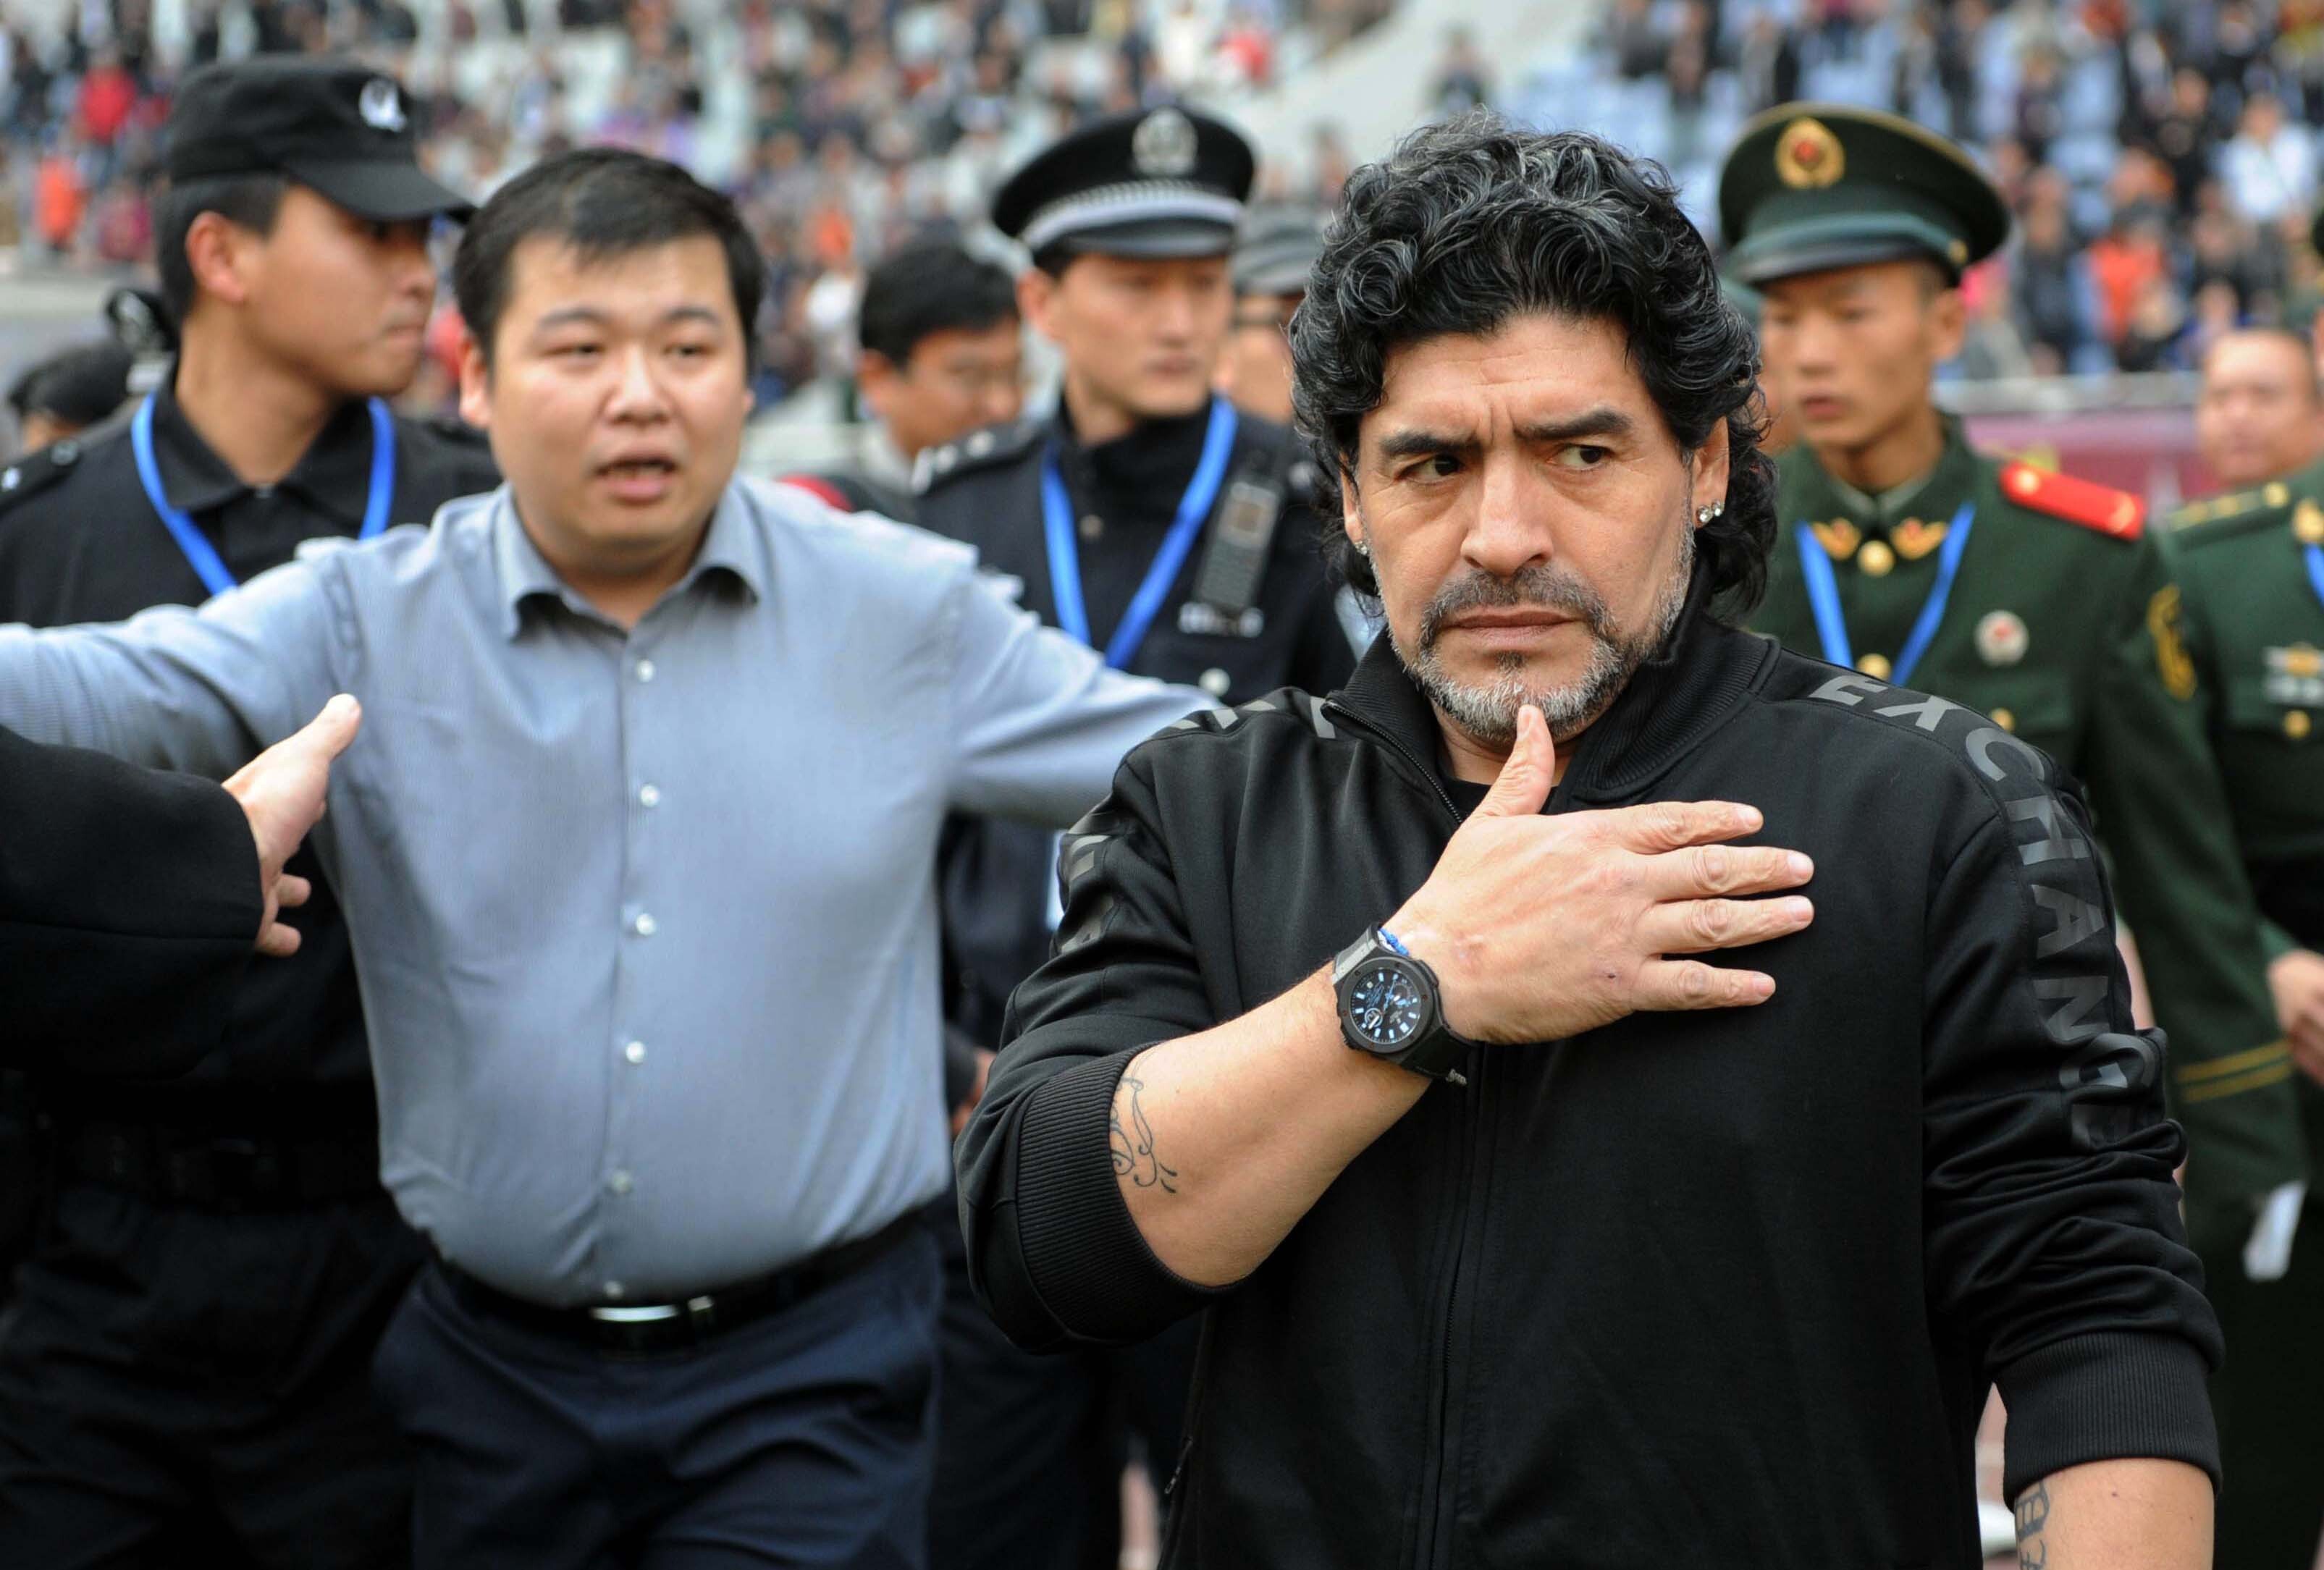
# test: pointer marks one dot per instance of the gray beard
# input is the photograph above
(1488, 713)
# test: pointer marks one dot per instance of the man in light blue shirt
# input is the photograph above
(636, 852)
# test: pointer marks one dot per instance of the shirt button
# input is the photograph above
(2005, 719)
(650, 796)
(2296, 724)
(644, 926)
(635, 1052)
(621, 1182)
(613, 1289)
(1215, 682)
(645, 670)
(1093, 526)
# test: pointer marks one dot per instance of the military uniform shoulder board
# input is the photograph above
(980, 449)
(2114, 513)
(2240, 511)
(28, 476)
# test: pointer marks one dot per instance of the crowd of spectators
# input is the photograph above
(843, 126)
(2161, 156)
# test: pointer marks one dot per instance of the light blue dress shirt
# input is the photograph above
(645, 922)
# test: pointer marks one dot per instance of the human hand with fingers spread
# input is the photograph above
(1540, 928)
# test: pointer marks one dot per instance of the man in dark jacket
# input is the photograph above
(1522, 1234)
(131, 904)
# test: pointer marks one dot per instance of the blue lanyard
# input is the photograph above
(2315, 555)
(202, 555)
(1823, 596)
(1065, 555)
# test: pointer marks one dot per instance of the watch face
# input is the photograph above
(1385, 1005)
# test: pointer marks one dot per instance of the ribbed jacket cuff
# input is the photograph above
(1086, 1255)
(2107, 1396)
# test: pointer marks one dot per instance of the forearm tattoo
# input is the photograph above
(2033, 1517)
(1134, 1147)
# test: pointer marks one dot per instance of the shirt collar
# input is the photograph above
(731, 549)
(334, 473)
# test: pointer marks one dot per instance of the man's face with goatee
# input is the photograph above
(1530, 519)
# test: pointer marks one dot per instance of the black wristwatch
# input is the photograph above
(1391, 1007)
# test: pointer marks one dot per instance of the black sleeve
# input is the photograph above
(2054, 1245)
(1052, 1251)
(129, 904)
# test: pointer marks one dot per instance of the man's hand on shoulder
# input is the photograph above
(282, 792)
(1540, 928)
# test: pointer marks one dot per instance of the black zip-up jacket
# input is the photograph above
(1710, 1288)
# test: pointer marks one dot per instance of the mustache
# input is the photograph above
(1547, 588)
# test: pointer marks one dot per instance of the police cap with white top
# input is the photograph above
(1166, 182)
(335, 126)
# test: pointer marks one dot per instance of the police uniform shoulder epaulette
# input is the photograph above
(452, 429)
(35, 473)
(2117, 514)
(2238, 513)
(980, 449)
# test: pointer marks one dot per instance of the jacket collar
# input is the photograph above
(1701, 676)
(1815, 496)
(1144, 471)
(333, 475)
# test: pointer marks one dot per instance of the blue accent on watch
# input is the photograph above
(1394, 942)
(195, 546)
(1823, 597)
(1065, 555)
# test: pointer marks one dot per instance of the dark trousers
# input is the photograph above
(179, 1387)
(1031, 1447)
(804, 1438)
(2269, 1398)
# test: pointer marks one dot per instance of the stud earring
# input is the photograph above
(1705, 514)
(1363, 547)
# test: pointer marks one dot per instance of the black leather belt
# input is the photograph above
(646, 1328)
(211, 1171)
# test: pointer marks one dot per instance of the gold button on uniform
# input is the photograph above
(1876, 558)
(1875, 665)
(2005, 719)
(2297, 725)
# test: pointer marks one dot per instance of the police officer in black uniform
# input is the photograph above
(1149, 518)
(187, 1359)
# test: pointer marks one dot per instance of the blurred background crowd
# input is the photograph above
(2162, 158)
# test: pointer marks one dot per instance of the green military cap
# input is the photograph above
(1810, 187)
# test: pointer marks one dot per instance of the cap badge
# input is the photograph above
(2002, 638)
(381, 106)
(1163, 145)
(1808, 156)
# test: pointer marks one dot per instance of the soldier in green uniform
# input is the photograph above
(2250, 567)
(2039, 600)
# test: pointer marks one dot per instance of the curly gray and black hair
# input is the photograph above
(1470, 223)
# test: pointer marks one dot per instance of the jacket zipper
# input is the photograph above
(1443, 796)
(1434, 1496)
